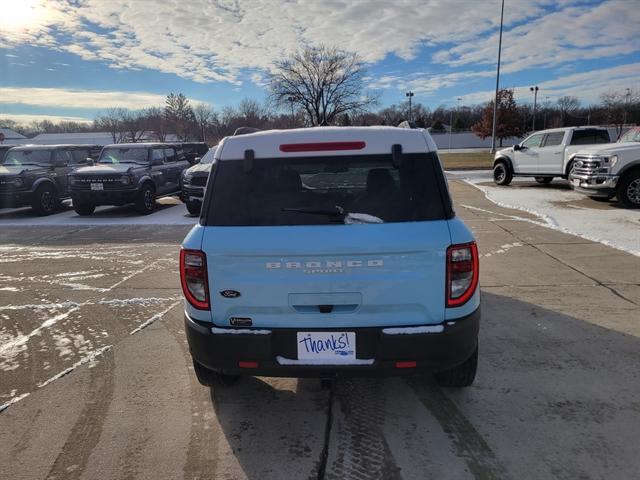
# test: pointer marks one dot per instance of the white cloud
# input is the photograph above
(426, 84)
(25, 119)
(575, 33)
(90, 99)
(587, 86)
(231, 41)
(213, 40)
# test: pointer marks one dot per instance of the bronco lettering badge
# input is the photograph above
(230, 293)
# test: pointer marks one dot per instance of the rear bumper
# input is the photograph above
(275, 350)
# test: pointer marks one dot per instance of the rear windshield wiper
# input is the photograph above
(338, 211)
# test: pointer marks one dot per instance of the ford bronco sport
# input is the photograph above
(330, 251)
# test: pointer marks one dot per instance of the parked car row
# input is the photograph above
(137, 173)
(586, 156)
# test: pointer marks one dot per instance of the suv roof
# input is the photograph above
(376, 140)
(54, 147)
(142, 145)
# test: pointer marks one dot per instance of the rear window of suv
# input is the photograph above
(326, 190)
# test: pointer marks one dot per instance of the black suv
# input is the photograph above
(36, 175)
(194, 180)
(194, 150)
(126, 173)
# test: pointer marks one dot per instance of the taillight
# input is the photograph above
(462, 273)
(193, 276)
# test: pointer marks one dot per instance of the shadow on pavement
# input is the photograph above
(555, 397)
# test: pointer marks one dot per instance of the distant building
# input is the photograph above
(12, 138)
(89, 138)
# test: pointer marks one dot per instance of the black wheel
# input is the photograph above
(146, 201)
(544, 180)
(45, 200)
(194, 208)
(460, 376)
(501, 174)
(603, 199)
(569, 170)
(209, 378)
(84, 209)
(629, 190)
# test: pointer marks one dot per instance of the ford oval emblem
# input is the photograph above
(230, 293)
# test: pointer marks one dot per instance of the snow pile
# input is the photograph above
(557, 209)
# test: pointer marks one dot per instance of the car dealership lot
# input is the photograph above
(92, 343)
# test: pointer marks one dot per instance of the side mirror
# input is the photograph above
(196, 160)
(516, 147)
(90, 162)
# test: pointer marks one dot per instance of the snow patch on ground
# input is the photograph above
(153, 319)
(614, 227)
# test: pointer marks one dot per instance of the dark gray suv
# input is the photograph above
(36, 175)
(127, 173)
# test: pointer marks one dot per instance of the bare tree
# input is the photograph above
(205, 117)
(616, 105)
(153, 121)
(567, 105)
(324, 82)
(112, 120)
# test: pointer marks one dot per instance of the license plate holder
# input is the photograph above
(97, 186)
(331, 348)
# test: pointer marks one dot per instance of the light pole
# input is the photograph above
(495, 100)
(546, 108)
(291, 100)
(410, 94)
(535, 101)
(627, 97)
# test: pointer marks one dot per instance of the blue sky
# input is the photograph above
(73, 58)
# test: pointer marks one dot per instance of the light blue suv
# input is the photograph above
(330, 251)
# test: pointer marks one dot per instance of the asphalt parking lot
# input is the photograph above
(97, 381)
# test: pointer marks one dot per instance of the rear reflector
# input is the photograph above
(411, 364)
(321, 147)
(248, 364)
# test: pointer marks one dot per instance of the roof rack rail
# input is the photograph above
(245, 131)
(407, 124)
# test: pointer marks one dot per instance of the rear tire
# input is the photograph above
(461, 375)
(194, 208)
(146, 200)
(84, 209)
(544, 180)
(209, 378)
(45, 200)
(629, 190)
(502, 174)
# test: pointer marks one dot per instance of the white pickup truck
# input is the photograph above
(545, 154)
(609, 171)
